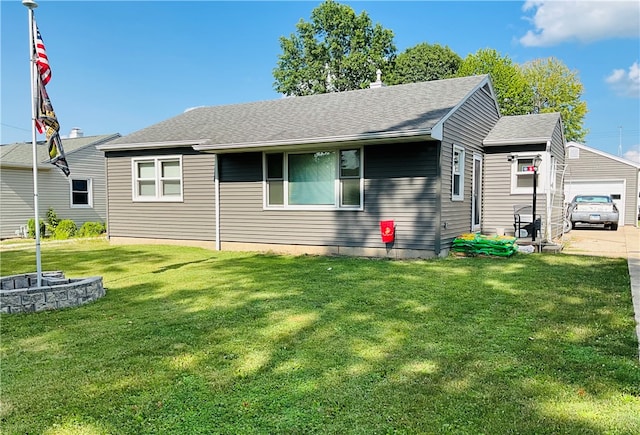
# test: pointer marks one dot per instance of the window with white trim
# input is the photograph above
(522, 174)
(157, 178)
(457, 174)
(327, 179)
(81, 193)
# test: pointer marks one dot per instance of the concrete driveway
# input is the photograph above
(595, 240)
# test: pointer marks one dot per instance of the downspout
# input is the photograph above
(106, 194)
(437, 245)
(216, 184)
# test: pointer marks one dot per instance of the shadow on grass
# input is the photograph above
(244, 343)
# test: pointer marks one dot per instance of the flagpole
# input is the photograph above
(31, 5)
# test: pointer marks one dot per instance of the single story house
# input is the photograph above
(323, 174)
(80, 197)
(594, 172)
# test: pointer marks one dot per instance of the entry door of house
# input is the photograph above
(476, 193)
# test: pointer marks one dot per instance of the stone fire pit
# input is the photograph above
(20, 294)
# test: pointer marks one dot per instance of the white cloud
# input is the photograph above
(632, 155)
(579, 20)
(626, 84)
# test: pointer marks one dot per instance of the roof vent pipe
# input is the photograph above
(378, 83)
(75, 132)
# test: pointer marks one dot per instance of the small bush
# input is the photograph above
(31, 228)
(66, 228)
(52, 219)
(91, 229)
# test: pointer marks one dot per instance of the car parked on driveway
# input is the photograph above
(594, 209)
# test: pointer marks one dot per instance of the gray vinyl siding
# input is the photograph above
(498, 201)
(86, 163)
(593, 166)
(467, 128)
(400, 184)
(192, 219)
(54, 192)
(16, 199)
(557, 195)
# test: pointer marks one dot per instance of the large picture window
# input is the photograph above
(457, 174)
(157, 179)
(316, 180)
(81, 193)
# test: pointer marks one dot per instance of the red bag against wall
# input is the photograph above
(387, 231)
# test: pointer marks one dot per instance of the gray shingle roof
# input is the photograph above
(523, 128)
(325, 117)
(21, 154)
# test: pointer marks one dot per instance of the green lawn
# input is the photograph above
(190, 341)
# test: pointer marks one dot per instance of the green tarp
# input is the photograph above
(477, 244)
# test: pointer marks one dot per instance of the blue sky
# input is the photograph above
(120, 66)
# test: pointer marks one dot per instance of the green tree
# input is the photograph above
(557, 89)
(513, 93)
(424, 62)
(336, 51)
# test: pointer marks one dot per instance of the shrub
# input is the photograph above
(31, 228)
(66, 228)
(52, 219)
(90, 229)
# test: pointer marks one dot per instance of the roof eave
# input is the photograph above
(363, 139)
(522, 141)
(150, 145)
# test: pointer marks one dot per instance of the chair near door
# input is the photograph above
(523, 222)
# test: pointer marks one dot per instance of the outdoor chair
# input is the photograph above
(523, 222)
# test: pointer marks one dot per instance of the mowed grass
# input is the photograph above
(191, 341)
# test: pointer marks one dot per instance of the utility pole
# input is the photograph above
(620, 141)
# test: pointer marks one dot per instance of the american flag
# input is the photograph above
(41, 57)
(46, 120)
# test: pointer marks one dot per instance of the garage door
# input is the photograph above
(615, 188)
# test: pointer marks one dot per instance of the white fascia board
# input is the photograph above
(524, 141)
(150, 145)
(369, 138)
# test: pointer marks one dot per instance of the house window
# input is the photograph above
(314, 180)
(157, 179)
(522, 174)
(81, 195)
(457, 174)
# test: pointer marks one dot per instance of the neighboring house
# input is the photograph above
(594, 172)
(511, 148)
(80, 197)
(314, 174)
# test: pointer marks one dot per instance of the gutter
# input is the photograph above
(296, 142)
(521, 141)
(150, 145)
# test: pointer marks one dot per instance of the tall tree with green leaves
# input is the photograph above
(336, 51)
(513, 92)
(557, 89)
(424, 62)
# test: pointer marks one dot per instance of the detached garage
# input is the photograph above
(593, 172)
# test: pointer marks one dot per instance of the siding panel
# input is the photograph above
(467, 127)
(192, 219)
(399, 185)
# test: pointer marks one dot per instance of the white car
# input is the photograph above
(594, 209)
